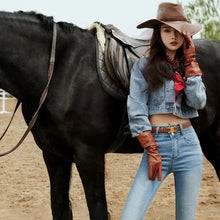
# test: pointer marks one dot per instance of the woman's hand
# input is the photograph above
(155, 163)
(154, 159)
(191, 66)
(188, 46)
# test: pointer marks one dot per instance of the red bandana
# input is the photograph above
(178, 80)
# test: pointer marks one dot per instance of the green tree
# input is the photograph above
(205, 12)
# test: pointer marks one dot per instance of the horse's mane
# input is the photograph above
(46, 21)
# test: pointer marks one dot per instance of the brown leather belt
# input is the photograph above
(171, 129)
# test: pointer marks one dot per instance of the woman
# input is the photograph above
(166, 90)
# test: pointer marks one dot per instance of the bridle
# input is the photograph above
(42, 99)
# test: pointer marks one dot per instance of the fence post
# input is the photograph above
(3, 102)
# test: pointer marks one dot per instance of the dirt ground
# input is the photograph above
(24, 184)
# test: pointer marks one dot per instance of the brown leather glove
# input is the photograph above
(191, 66)
(154, 159)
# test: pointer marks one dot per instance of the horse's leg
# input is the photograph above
(59, 172)
(210, 139)
(90, 165)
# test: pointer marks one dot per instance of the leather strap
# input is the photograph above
(171, 129)
(16, 108)
(44, 93)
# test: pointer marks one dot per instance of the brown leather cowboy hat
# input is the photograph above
(172, 15)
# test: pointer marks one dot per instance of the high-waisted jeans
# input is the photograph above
(181, 154)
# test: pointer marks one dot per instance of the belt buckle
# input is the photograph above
(171, 130)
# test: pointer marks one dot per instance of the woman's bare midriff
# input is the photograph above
(166, 120)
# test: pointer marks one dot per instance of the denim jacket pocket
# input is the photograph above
(157, 97)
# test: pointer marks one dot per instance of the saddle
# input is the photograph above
(116, 53)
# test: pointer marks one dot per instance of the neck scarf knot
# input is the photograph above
(178, 80)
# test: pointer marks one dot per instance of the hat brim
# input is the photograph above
(180, 26)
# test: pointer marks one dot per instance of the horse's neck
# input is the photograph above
(24, 57)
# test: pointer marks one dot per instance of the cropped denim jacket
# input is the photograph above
(141, 105)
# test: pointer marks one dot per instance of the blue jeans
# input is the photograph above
(181, 154)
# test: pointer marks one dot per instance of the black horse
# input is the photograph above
(79, 121)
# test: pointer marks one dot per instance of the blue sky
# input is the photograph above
(124, 14)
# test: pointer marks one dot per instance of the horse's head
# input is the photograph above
(24, 53)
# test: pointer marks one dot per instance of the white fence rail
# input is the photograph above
(3, 97)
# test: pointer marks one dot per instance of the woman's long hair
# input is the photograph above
(157, 68)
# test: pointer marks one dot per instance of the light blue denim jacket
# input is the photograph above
(141, 105)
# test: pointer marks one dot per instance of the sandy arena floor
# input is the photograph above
(24, 184)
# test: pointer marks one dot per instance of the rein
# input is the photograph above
(43, 96)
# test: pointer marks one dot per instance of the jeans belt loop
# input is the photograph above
(157, 132)
(181, 128)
